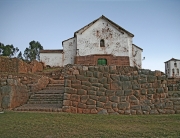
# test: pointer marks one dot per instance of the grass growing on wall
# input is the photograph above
(53, 125)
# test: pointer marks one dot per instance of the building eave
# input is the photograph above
(51, 51)
(137, 47)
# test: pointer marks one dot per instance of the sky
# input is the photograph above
(154, 23)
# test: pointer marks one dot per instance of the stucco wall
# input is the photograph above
(69, 48)
(52, 59)
(136, 57)
(116, 42)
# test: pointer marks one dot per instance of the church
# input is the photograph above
(101, 42)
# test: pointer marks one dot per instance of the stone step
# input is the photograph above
(42, 96)
(55, 85)
(46, 99)
(54, 88)
(50, 92)
(40, 107)
(45, 102)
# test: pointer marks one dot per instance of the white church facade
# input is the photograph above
(101, 42)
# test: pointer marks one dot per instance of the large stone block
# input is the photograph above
(161, 77)
(151, 79)
(94, 97)
(151, 91)
(67, 83)
(159, 90)
(124, 78)
(100, 93)
(91, 92)
(135, 107)
(89, 74)
(103, 80)
(82, 78)
(127, 85)
(66, 103)
(86, 83)
(81, 92)
(91, 102)
(85, 87)
(66, 96)
(81, 105)
(115, 77)
(6, 102)
(123, 105)
(103, 111)
(94, 88)
(135, 86)
(136, 77)
(100, 104)
(108, 105)
(5, 90)
(116, 85)
(101, 68)
(98, 74)
(84, 98)
(110, 92)
(106, 68)
(76, 86)
(75, 97)
(119, 93)
(107, 86)
(154, 112)
(70, 90)
(145, 108)
(93, 80)
(128, 92)
(70, 77)
(103, 99)
(114, 99)
(91, 68)
(97, 85)
(76, 82)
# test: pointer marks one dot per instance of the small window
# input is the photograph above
(175, 64)
(177, 71)
(102, 43)
(102, 61)
(168, 71)
(173, 71)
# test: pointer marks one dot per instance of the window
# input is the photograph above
(177, 71)
(173, 71)
(102, 61)
(102, 43)
(175, 64)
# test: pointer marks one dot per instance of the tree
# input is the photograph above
(32, 52)
(8, 50)
(20, 55)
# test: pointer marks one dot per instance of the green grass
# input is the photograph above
(53, 125)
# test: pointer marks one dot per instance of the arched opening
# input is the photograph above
(102, 43)
(102, 61)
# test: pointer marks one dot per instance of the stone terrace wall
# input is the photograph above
(117, 90)
(18, 66)
(15, 90)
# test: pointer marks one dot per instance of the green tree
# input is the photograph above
(8, 50)
(32, 52)
(20, 55)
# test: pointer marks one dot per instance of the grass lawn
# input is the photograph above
(55, 125)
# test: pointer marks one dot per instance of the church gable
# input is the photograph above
(103, 37)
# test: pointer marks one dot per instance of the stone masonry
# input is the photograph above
(117, 90)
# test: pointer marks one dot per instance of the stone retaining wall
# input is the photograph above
(18, 66)
(16, 89)
(117, 90)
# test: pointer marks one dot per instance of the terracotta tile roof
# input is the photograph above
(51, 51)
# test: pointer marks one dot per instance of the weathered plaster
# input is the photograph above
(69, 48)
(116, 42)
(52, 59)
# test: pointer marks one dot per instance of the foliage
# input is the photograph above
(8, 50)
(52, 125)
(20, 55)
(32, 52)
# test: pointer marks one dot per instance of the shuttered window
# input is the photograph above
(102, 61)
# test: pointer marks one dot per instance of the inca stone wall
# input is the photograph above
(15, 90)
(117, 90)
(18, 66)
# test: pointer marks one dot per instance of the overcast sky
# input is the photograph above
(155, 24)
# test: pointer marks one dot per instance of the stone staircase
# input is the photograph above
(49, 99)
